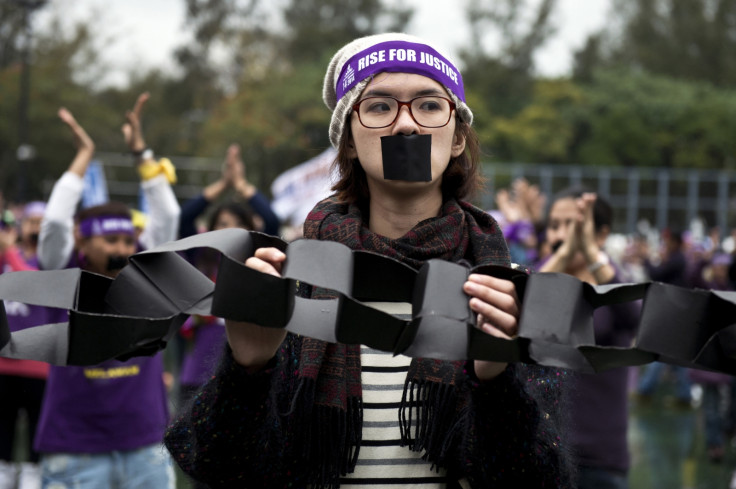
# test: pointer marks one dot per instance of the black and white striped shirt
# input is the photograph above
(383, 462)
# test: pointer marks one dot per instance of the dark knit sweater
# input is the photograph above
(246, 430)
(238, 431)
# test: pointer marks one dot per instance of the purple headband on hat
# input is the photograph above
(721, 259)
(102, 225)
(34, 209)
(399, 57)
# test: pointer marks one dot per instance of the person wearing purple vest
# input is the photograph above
(102, 426)
(578, 224)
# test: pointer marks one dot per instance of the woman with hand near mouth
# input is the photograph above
(578, 224)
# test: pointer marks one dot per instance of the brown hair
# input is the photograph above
(461, 179)
(241, 210)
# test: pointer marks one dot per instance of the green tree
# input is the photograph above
(316, 27)
(685, 39)
(57, 58)
(65, 68)
(620, 118)
(278, 123)
(503, 79)
(276, 112)
(11, 29)
(647, 120)
(543, 131)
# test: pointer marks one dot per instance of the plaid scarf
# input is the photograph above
(330, 393)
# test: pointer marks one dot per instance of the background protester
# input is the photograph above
(711, 273)
(102, 426)
(22, 382)
(522, 220)
(205, 335)
(578, 224)
(672, 268)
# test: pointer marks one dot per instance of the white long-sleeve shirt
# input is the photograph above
(56, 240)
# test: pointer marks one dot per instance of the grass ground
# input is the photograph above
(666, 441)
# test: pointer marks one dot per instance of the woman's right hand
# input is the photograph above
(253, 345)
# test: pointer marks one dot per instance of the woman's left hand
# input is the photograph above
(132, 131)
(497, 305)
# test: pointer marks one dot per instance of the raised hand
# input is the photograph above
(132, 131)
(84, 144)
(235, 164)
(82, 141)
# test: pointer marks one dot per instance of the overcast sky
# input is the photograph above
(144, 32)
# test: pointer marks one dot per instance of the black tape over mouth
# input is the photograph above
(407, 158)
(116, 262)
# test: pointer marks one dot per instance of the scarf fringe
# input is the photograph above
(429, 419)
(330, 436)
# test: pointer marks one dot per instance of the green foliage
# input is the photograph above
(503, 76)
(634, 100)
(684, 39)
(620, 118)
(11, 25)
(657, 121)
(276, 112)
(652, 85)
(319, 26)
(542, 131)
(52, 85)
(278, 122)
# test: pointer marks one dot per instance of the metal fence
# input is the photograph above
(663, 197)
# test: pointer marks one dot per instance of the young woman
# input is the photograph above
(290, 411)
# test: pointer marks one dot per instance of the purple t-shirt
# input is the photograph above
(21, 316)
(199, 363)
(111, 406)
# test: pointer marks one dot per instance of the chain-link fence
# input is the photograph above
(663, 197)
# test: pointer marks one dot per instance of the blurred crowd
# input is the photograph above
(690, 256)
(570, 232)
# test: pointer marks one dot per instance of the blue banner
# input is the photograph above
(95, 186)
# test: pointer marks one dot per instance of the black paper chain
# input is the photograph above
(140, 310)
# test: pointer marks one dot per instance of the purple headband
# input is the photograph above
(33, 209)
(102, 225)
(399, 57)
(721, 259)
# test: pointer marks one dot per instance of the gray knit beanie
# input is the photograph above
(353, 66)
